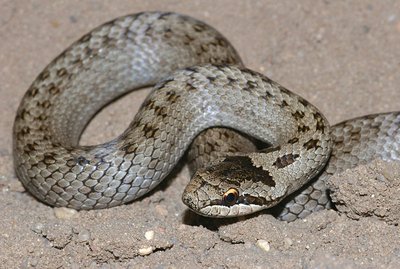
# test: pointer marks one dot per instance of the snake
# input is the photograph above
(256, 144)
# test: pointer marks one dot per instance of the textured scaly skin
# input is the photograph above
(140, 50)
(127, 53)
(356, 141)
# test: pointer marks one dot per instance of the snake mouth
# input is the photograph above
(220, 211)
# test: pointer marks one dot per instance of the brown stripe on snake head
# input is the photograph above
(271, 149)
(312, 143)
(293, 140)
(242, 167)
(248, 199)
(285, 160)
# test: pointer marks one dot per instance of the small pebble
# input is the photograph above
(38, 228)
(149, 235)
(263, 244)
(33, 262)
(145, 251)
(83, 236)
(288, 242)
(64, 213)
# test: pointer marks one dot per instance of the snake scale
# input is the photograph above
(201, 85)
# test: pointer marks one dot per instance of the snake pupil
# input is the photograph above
(230, 197)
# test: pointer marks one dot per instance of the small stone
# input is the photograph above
(33, 262)
(83, 236)
(287, 242)
(38, 228)
(149, 235)
(145, 251)
(64, 213)
(264, 245)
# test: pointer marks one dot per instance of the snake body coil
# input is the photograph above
(201, 84)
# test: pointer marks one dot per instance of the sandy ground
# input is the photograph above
(343, 56)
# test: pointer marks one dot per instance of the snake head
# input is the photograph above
(229, 187)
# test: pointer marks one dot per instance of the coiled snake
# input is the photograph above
(201, 84)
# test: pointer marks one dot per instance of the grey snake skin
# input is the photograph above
(200, 83)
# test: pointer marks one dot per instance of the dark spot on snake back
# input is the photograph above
(44, 75)
(33, 91)
(320, 122)
(210, 78)
(298, 114)
(312, 143)
(303, 128)
(49, 159)
(204, 48)
(284, 104)
(62, 72)
(285, 160)
(172, 96)
(82, 161)
(53, 90)
(149, 130)
(293, 140)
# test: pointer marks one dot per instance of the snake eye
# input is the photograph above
(230, 197)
